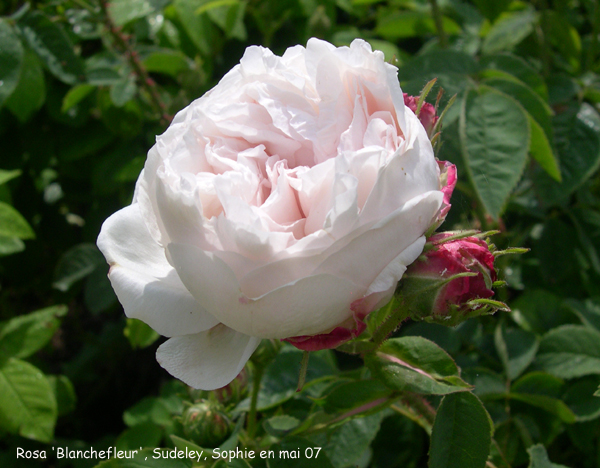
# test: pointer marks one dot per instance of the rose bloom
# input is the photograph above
(285, 203)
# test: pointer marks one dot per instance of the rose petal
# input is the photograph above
(305, 307)
(207, 360)
(395, 233)
(145, 283)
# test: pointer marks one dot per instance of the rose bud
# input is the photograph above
(285, 203)
(206, 423)
(427, 114)
(451, 281)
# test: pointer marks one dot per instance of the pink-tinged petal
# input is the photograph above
(207, 360)
(351, 329)
(396, 232)
(305, 307)
(427, 114)
(411, 172)
(145, 283)
(448, 179)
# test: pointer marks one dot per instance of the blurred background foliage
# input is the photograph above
(86, 85)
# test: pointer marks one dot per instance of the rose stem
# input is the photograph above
(303, 369)
(439, 25)
(143, 78)
(390, 324)
(257, 375)
(417, 409)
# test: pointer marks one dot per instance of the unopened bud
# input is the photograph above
(451, 281)
(206, 423)
(427, 114)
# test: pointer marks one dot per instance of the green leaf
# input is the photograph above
(10, 245)
(539, 310)
(484, 381)
(30, 93)
(5, 176)
(139, 334)
(199, 28)
(150, 409)
(183, 444)
(516, 349)
(445, 337)
(562, 35)
(52, 45)
(124, 11)
(494, 136)
(27, 402)
(228, 15)
(510, 29)
(211, 4)
(450, 67)
(233, 463)
(346, 444)
(514, 65)
(146, 434)
(351, 395)
(462, 433)
(167, 61)
(588, 311)
(580, 397)
(541, 150)
(64, 392)
(75, 264)
(577, 136)
(12, 224)
(11, 59)
(528, 98)
(491, 10)
(539, 458)
(552, 405)
(539, 383)
(415, 364)
(75, 95)
(280, 425)
(22, 336)
(123, 91)
(402, 24)
(570, 351)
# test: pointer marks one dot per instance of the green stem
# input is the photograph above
(390, 324)
(256, 380)
(414, 416)
(303, 369)
(420, 406)
(439, 24)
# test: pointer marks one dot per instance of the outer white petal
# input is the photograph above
(146, 285)
(305, 307)
(388, 279)
(366, 256)
(207, 360)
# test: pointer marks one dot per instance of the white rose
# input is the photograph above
(296, 188)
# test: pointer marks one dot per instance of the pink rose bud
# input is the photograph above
(427, 114)
(451, 281)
